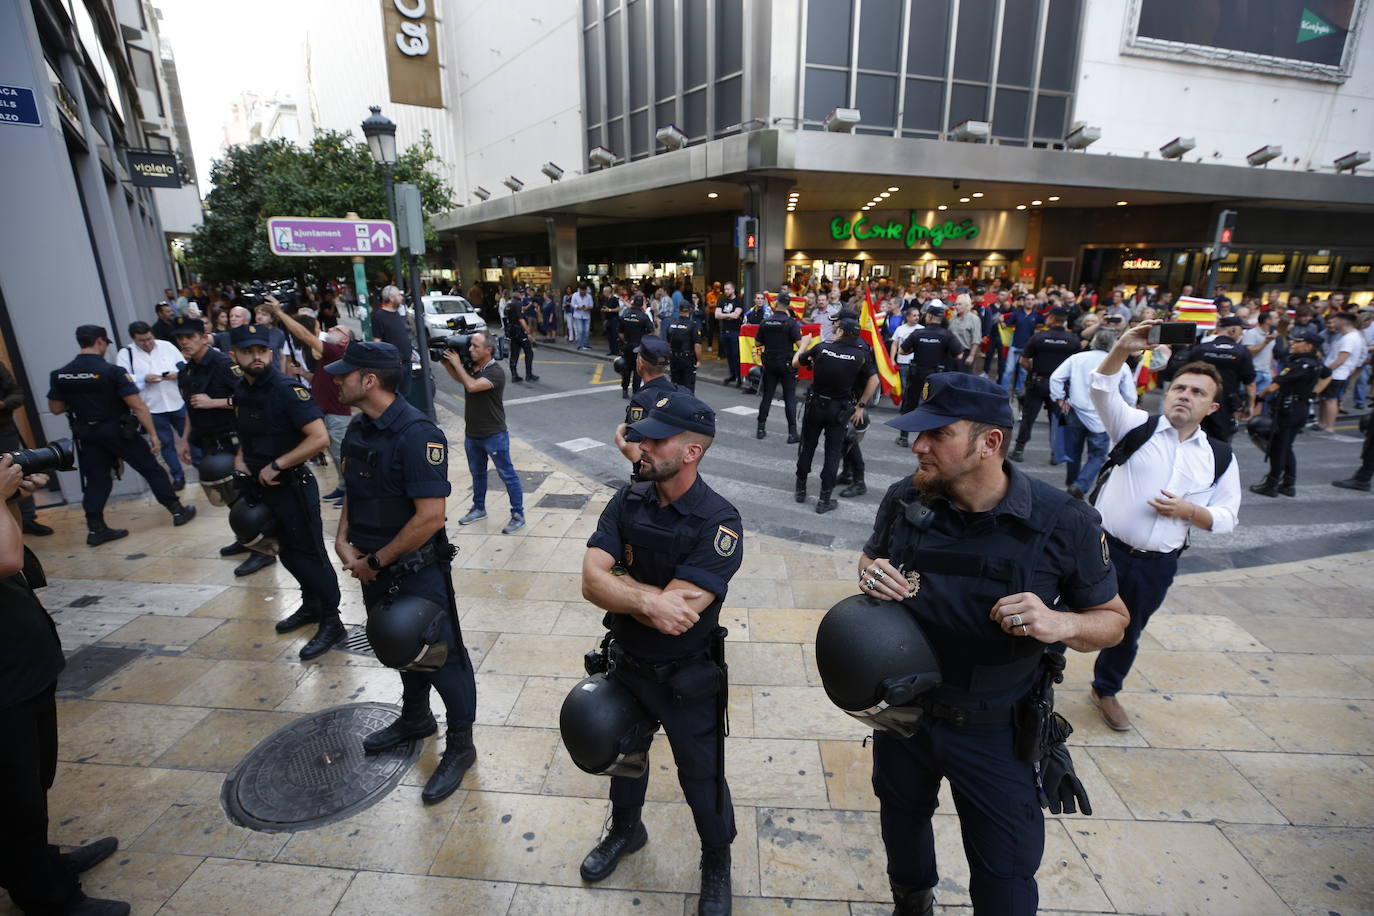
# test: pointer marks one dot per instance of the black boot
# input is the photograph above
(856, 488)
(1286, 488)
(330, 633)
(102, 534)
(715, 882)
(1266, 487)
(231, 550)
(762, 431)
(181, 514)
(911, 901)
(1350, 483)
(1018, 453)
(825, 504)
(93, 906)
(254, 563)
(902, 441)
(84, 858)
(459, 754)
(627, 835)
(845, 477)
(308, 612)
(792, 437)
(409, 726)
(801, 489)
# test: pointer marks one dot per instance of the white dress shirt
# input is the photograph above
(1078, 371)
(163, 396)
(1183, 468)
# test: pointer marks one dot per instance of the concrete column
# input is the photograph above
(469, 271)
(562, 250)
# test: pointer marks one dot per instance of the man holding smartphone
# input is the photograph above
(153, 364)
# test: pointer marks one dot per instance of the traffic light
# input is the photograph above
(747, 238)
(1221, 242)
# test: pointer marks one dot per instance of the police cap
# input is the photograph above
(1058, 312)
(846, 313)
(249, 335)
(850, 326)
(1231, 321)
(185, 325)
(654, 350)
(675, 413)
(365, 354)
(91, 332)
(953, 396)
(1306, 335)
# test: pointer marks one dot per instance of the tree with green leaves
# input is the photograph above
(330, 178)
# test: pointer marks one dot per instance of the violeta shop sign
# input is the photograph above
(913, 230)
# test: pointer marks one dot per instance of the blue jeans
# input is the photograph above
(582, 326)
(1362, 384)
(498, 447)
(167, 426)
(1012, 371)
(1080, 473)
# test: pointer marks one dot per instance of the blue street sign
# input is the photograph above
(18, 106)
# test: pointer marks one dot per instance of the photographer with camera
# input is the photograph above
(106, 412)
(11, 399)
(484, 419)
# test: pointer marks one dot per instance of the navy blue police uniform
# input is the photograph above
(1232, 359)
(634, 325)
(1296, 380)
(106, 433)
(839, 366)
(933, 349)
(684, 336)
(1046, 351)
(852, 465)
(519, 339)
(270, 412)
(778, 335)
(696, 538)
(533, 319)
(388, 463)
(655, 351)
(216, 376)
(959, 564)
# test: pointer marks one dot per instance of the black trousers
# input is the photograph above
(30, 868)
(828, 417)
(994, 793)
(296, 507)
(518, 346)
(1283, 464)
(914, 385)
(729, 348)
(629, 378)
(1142, 581)
(692, 730)
(613, 334)
(684, 372)
(773, 376)
(98, 454)
(852, 459)
(1037, 396)
(1366, 470)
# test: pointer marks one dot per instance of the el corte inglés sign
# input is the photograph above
(908, 229)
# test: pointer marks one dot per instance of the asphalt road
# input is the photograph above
(571, 413)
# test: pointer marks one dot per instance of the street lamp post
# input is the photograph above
(381, 140)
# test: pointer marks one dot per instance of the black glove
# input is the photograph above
(1060, 789)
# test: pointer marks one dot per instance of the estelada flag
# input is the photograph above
(888, 375)
(1196, 309)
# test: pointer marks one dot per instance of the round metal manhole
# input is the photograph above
(314, 771)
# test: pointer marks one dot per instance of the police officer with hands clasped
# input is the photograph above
(1302, 377)
(684, 340)
(391, 539)
(778, 336)
(991, 568)
(651, 357)
(659, 564)
(106, 412)
(831, 404)
(281, 428)
(1044, 353)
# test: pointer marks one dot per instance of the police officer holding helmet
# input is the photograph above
(995, 567)
(106, 412)
(391, 538)
(684, 340)
(830, 404)
(659, 564)
(280, 428)
(651, 357)
(778, 335)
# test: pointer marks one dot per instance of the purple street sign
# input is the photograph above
(304, 236)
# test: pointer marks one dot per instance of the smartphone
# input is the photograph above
(1173, 333)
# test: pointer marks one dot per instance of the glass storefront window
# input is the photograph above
(1358, 274)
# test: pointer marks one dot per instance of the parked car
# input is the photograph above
(444, 314)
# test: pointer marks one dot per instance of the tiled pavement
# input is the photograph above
(1246, 786)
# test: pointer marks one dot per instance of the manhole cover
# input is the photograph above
(314, 772)
(563, 501)
(356, 641)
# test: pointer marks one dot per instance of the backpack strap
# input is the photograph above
(1128, 445)
(1221, 457)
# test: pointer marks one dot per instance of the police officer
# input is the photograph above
(729, 312)
(652, 356)
(1232, 359)
(684, 339)
(933, 349)
(778, 335)
(532, 313)
(105, 411)
(995, 567)
(660, 564)
(852, 465)
(1302, 377)
(518, 333)
(635, 325)
(281, 428)
(207, 381)
(1046, 350)
(391, 538)
(838, 366)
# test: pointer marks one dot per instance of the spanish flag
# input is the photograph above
(888, 374)
(1196, 309)
(749, 354)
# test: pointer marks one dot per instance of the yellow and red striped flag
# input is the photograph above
(888, 374)
(1199, 310)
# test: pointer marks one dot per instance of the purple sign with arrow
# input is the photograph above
(304, 236)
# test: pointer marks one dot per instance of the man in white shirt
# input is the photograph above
(1081, 425)
(1343, 357)
(582, 305)
(153, 365)
(1151, 503)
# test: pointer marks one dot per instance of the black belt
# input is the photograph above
(1137, 552)
(959, 716)
(658, 672)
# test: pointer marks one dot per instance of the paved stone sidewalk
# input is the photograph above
(1245, 786)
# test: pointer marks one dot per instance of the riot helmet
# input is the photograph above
(255, 527)
(755, 376)
(217, 479)
(406, 632)
(618, 365)
(854, 432)
(1260, 430)
(605, 729)
(874, 661)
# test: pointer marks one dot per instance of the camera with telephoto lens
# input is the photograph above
(58, 455)
(458, 343)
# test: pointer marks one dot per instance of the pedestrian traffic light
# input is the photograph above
(747, 238)
(1221, 243)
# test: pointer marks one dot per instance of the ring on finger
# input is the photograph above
(878, 574)
(1024, 631)
(870, 583)
(1016, 620)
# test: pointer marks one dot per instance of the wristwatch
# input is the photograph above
(276, 467)
(373, 563)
